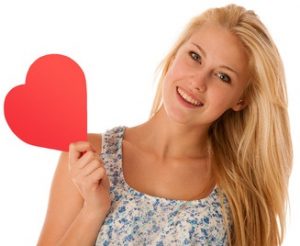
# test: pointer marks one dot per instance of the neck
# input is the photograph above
(172, 139)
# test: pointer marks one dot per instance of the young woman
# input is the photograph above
(211, 165)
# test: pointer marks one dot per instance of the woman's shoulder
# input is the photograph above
(95, 139)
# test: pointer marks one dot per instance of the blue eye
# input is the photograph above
(224, 77)
(195, 56)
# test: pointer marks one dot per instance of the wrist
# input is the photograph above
(94, 213)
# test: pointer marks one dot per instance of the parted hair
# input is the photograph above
(252, 148)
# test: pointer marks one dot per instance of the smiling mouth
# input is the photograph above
(187, 98)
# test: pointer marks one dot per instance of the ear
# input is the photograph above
(240, 105)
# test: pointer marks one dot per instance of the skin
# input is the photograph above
(205, 78)
(168, 155)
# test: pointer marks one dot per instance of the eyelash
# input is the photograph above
(195, 56)
(222, 76)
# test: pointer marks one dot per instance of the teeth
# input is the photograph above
(187, 98)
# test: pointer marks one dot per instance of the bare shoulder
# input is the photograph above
(95, 139)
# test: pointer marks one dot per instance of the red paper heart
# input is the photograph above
(50, 110)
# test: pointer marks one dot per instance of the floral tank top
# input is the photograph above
(137, 218)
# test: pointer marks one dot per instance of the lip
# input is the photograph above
(184, 102)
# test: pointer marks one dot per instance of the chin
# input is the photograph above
(177, 116)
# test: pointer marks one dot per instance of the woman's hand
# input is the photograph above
(79, 199)
(89, 176)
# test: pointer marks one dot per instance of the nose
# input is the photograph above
(199, 82)
(200, 87)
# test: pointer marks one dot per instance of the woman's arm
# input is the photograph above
(79, 197)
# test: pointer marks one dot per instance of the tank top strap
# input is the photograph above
(111, 153)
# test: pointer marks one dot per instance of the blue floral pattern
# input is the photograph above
(139, 219)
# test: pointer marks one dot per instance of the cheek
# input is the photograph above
(178, 69)
(221, 100)
(166, 88)
(171, 77)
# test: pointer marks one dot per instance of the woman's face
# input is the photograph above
(206, 77)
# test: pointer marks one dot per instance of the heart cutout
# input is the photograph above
(50, 109)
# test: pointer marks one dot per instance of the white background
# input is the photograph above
(118, 44)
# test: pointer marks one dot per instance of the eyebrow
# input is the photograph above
(223, 66)
(200, 48)
(229, 68)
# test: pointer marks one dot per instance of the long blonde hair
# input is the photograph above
(252, 147)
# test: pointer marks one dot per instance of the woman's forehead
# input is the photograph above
(220, 44)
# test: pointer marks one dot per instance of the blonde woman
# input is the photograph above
(211, 165)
